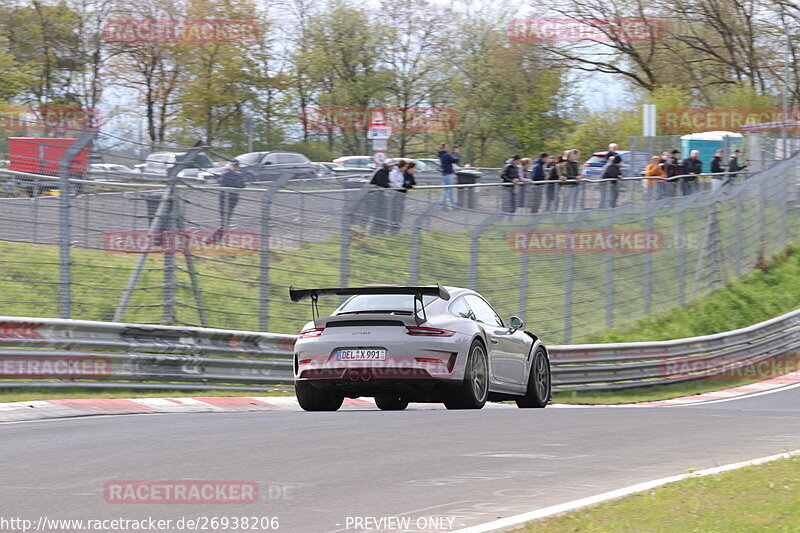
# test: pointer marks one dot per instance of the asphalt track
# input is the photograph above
(315, 470)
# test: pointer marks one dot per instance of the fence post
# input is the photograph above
(156, 224)
(350, 207)
(266, 207)
(474, 248)
(419, 223)
(682, 256)
(168, 312)
(737, 267)
(648, 266)
(568, 275)
(65, 260)
(524, 261)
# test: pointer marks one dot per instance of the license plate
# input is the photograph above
(361, 355)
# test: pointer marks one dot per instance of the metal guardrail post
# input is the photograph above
(65, 259)
(264, 281)
(419, 224)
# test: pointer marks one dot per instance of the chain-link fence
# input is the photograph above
(172, 249)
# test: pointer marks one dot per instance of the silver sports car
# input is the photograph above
(416, 344)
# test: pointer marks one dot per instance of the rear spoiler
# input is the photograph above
(416, 291)
(424, 290)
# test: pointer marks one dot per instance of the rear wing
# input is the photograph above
(423, 290)
(416, 291)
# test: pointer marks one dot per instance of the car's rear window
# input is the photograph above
(382, 302)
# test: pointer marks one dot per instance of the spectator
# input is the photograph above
(551, 171)
(378, 200)
(397, 182)
(692, 167)
(717, 168)
(380, 177)
(446, 161)
(656, 170)
(612, 171)
(522, 188)
(572, 173)
(231, 178)
(512, 174)
(733, 165)
(538, 175)
(672, 168)
(612, 151)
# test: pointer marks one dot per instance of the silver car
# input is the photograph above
(416, 344)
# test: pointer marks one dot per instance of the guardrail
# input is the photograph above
(43, 352)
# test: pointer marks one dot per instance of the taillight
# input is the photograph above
(585, 165)
(428, 360)
(429, 332)
(304, 361)
(309, 333)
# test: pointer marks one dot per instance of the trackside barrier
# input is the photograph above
(44, 352)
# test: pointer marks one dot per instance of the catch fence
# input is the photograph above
(157, 249)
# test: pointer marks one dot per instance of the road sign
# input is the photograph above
(376, 131)
(377, 118)
(379, 157)
(380, 144)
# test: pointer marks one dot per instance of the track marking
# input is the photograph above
(521, 519)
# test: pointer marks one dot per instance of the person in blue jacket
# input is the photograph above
(446, 160)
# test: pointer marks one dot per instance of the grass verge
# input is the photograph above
(26, 395)
(757, 498)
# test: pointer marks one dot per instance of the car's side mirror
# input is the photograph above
(516, 323)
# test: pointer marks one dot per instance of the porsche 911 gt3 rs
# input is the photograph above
(416, 344)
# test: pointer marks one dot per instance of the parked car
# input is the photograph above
(159, 163)
(593, 167)
(356, 162)
(416, 344)
(328, 170)
(269, 166)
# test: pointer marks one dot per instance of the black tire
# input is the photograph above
(472, 393)
(539, 382)
(313, 398)
(390, 403)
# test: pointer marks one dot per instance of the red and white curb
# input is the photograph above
(69, 408)
(45, 409)
(736, 393)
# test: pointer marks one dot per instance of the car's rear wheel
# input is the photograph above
(539, 382)
(313, 398)
(474, 390)
(390, 403)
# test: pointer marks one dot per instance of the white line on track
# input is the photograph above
(521, 519)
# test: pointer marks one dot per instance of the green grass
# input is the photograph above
(764, 293)
(24, 395)
(752, 499)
